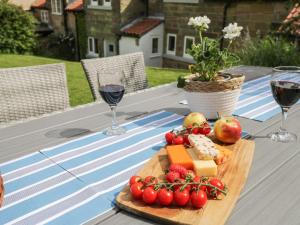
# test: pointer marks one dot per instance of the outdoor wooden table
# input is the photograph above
(271, 195)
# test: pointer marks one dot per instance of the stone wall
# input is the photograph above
(254, 15)
(131, 9)
(57, 22)
(155, 7)
(102, 24)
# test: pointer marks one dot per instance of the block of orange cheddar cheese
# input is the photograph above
(223, 155)
(177, 154)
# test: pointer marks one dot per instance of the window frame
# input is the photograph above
(168, 39)
(94, 50)
(184, 46)
(152, 38)
(55, 7)
(106, 4)
(44, 16)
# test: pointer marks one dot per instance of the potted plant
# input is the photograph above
(208, 90)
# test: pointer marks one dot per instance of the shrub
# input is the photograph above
(269, 51)
(17, 29)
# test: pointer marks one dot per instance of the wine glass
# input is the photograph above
(111, 88)
(285, 85)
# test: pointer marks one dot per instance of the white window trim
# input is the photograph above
(94, 3)
(184, 48)
(105, 47)
(44, 16)
(93, 52)
(52, 4)
(106, 4)
(158, 53)
(167, 50)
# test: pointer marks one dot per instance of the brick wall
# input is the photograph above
(57, 21)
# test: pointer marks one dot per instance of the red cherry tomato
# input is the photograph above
(197, 179)
(169, 137)
(150, 181)
(204, 129)
(178, 140)
(198, 199)
(134, 179)
(216, 183)
(181, 197)
(165, 197)
(137, 190)
(196, 130)
(149, 195)
(186, 139)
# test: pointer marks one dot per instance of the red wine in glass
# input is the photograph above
(285, 86)
(285, 93)
(111, 87)
(112, 94)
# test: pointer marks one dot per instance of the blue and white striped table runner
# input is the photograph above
(77, 181)
(256, 101)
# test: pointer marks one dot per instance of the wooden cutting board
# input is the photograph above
(233, 173)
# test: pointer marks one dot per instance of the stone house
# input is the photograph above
(104, 19)
(61, 17)
(254, 16)
(122, 26)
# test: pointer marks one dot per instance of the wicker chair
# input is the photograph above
(32, 91)
(131, 67)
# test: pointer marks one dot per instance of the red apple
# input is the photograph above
(228, 130)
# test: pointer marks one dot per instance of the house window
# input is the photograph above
(171, 44)
(56, 7)
(44, 16)
(111, 48)
(188, 42)
(154, 45)
(92, 45)
(105, 3)
(94, 2)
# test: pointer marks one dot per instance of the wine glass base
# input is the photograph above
(283, 136)
(114, 131)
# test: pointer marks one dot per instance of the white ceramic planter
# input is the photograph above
(213, 103)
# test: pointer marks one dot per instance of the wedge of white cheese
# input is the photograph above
(203, 147)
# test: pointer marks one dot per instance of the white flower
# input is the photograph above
(232, 31)
(200, 21)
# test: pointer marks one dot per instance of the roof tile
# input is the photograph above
(141, 27)
(76, 5)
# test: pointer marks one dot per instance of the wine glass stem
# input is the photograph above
(284, 111)
(114, 120)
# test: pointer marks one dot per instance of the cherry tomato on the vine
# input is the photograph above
(198, 199)
(204, 129)
(149, 196)
(150, 181)
(137, 190)
(181, 198)
(165, 197)
(169, 137)
(216, 183)
(134, 179)
(178, 140)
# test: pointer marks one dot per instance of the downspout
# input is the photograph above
(77, 36)
(147, 8)
(65, 15)
(224, 22)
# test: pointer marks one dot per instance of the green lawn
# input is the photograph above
(79, 90)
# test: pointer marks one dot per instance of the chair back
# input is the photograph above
(32, 91)
(130, 66)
